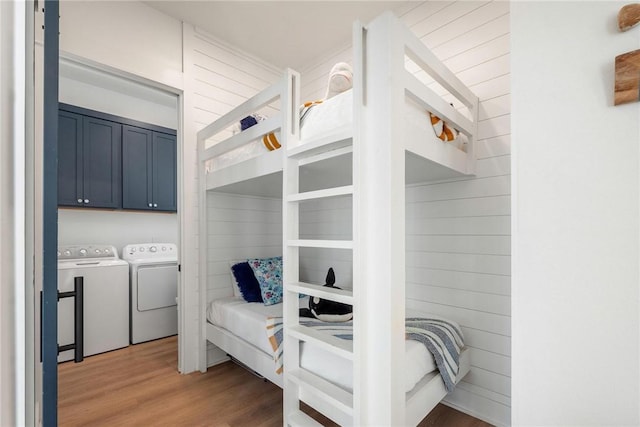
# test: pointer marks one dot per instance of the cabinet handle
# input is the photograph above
(150, 205)
(155, 205)
(86, 200)
(79, 200)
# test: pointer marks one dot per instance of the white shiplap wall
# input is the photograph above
(239, 227)
(458, 232)
(217, 79)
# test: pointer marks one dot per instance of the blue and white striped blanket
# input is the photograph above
(441, 337)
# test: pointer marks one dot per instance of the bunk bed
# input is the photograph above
(384, 143)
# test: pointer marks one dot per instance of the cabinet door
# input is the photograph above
(136, 168)
(102, 149)
(69, 159)
(164, 172)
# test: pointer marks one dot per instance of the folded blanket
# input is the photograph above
(442, 338)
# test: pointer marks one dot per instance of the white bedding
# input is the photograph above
(330, 115)
(247, 320)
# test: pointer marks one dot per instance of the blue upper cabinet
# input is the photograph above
(70, 186)
(148, 170)
(89, 161)
(164, 172)
(136, 168)
(106, 161)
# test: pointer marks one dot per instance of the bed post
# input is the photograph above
(290, 133)
(202, 255)
(379, 224)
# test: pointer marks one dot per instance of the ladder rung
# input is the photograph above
(330, 244)
(338, 295)
(335, 345)
(325, 155)
(299, 418)
(333, 140)
(330, 393)
(320, 194)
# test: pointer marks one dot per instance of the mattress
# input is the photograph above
(248, 320)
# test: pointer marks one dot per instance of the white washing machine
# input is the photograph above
(153, 290)
(106, 298)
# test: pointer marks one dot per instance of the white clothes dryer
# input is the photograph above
(105, 280)
(153, 284)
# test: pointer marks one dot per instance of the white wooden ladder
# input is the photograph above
(300, 384)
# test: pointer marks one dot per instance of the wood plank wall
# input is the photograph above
(219, 78)
(458, 232)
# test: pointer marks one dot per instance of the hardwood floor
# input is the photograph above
(140, 386)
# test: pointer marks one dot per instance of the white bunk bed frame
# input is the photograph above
(383, 151)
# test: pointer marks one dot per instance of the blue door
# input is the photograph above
(49, 298)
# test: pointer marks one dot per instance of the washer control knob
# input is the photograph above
(59, 253)
(107, 251)
(97, 251)
(153, 249)
(67, 253)
(83, 251)
(164, 248)
(141, 249)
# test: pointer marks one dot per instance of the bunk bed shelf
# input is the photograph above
(339, 295)
(321, 194)
(332, 140)
(326, 244)
(259, 176)
(337, 346)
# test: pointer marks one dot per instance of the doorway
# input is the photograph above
(93, 87)
(120, 110)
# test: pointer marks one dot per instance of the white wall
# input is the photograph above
(90, 88)
(16, 218)
(117, 228)
(239, 227)
(576, 219)
(458, 232)
(126, 35)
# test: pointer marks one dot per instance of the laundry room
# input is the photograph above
(117, 199)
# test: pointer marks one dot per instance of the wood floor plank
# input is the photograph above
(140, 386)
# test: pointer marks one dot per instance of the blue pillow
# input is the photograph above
(268, 272)
(246, 280)
(247, 122)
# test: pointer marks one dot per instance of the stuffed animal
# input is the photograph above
(326, 310)
(340, 79)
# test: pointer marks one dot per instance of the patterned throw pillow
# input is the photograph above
(268, 272)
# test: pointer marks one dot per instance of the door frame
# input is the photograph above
(16, 210)
(49, 295)
(51, 380)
